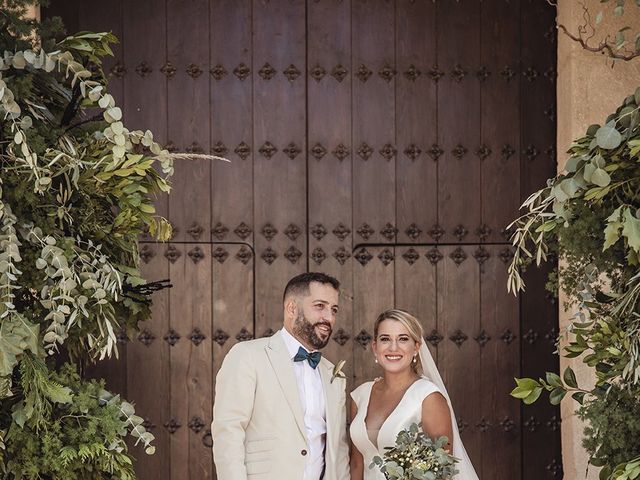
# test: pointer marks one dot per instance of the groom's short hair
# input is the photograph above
(299, 285)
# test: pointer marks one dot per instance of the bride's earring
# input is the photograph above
(415, 358)
(375, 359)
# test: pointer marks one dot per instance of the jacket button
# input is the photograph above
(303, 452)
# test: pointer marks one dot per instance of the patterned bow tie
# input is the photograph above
(313, 358)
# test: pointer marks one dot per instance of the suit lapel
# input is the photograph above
(283, 368)
(331, 405)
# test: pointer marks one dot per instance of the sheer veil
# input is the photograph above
(430, 371)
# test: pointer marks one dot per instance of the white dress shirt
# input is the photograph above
(313, 407)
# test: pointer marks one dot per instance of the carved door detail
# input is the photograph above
(387, 142)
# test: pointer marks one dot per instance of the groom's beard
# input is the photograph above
(304, 329)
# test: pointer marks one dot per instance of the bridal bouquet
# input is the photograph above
(415, 456)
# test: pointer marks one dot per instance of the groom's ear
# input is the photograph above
(291, 307)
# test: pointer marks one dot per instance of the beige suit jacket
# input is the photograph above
(258, 426)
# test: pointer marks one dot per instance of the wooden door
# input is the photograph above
(386, 142)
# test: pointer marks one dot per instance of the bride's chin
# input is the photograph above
(394, 367)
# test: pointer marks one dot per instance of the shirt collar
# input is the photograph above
(292, 343)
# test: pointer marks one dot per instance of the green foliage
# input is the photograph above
(76, 191)
(589, 216)
(613, 432)
(625, 471)
(21, 29)
(83, 438)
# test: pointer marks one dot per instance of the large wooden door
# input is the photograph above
(385, 142)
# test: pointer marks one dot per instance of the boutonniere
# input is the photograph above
(337, 371)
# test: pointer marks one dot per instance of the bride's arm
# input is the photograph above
(436, 418)
(356, 462)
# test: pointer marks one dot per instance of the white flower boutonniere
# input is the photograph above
(337, 370)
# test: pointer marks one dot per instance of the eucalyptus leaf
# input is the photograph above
(104, 102)
(572, 164)
(589, 169)
(17, 335)
(625, 115)
(569, 187)
(608, 137)
(600, 177)
(559, 194)
(127, 409)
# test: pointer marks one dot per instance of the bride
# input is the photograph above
(383, 407)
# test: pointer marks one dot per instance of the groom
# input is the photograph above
(278, 413)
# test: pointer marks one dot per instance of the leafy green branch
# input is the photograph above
(588, 216)
(529, 390)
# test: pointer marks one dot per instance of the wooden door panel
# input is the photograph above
(149, 372)
(499, 363)
(387, 143)
(459, 121)
(373, 126)
(279, 181)
(189, 117)
(230, 84)
(499, 120)
(144, 94)
(416, 121)
(330, 233)
(191, 358)
(145, 107)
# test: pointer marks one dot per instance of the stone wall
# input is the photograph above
(588, 89)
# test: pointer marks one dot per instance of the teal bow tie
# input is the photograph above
(313, 358)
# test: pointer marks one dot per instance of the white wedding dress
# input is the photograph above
(408, 411)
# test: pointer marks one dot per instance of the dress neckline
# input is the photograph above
(384, 422)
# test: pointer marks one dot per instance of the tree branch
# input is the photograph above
(88, 120)
(606, 47)
(72, 107)
(603, 47)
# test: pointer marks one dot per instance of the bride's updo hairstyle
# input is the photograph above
(410, 322)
